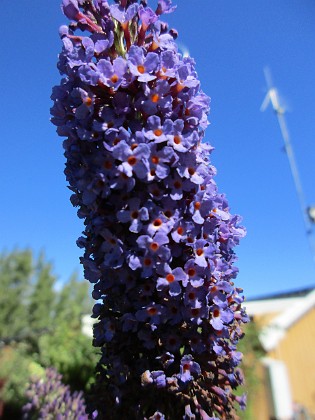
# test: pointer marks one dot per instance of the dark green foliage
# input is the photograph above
(15, 277)
(40, 327)
(72, 301)
(42, 300)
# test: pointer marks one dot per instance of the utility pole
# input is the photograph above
(308, 212)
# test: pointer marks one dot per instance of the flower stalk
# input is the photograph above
(159, 237)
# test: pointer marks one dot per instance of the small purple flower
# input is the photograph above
(160, 224)
(121, 15)
(142, 66)
(166, 359)
(70, 8)
(242, 400)
(153, 313)
(195, 273)
(147, 16)
(112, 74)
(135, 214)
(203, 250)
(134, 159)
(107, 121)
(220, 316)
(155, 246)
(159, 378)
(171, 279)
(155, 130)
(156, 99)
(179, 141)
(165, 6)
(188, 368)
(157, 416)
(160, 162)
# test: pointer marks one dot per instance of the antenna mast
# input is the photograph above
(273, 97)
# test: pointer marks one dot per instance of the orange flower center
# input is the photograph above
(157, 222)
(186, 366)
(170, 278)
(180, 230)
(132, 160)
(152, 311)
(158, 132)
(141, 69)
(216, 313)
(154, 246)
(88, 101)
(114, 78)
(155, 97)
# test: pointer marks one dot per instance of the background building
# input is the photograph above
(286, 323)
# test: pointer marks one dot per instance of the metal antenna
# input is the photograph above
(273, 97)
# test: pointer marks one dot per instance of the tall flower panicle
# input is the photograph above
(159, 237)
(49, 398)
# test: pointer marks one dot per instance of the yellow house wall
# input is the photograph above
(297, 350)
(258, 401)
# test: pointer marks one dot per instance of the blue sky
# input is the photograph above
(231, 43)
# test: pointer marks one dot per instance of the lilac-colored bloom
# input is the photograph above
(188, 368)
(166, 359)
(134, 215)
(194, 297)
(142, 66)
(147, 16)
(158, 236)
(112, 74)
(203, 250)
(160, 224)
(155, 130)
(157, 416)
(134, 160)
(165, 6)
(122, 15)
(157, 99)
(152, 313)
(221, 315)
(155, 246)
(171, 279)
(160, 162)
(70, 8)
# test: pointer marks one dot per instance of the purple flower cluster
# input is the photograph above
(159, 238)
(49, 398)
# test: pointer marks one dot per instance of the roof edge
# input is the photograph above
(271, 335)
